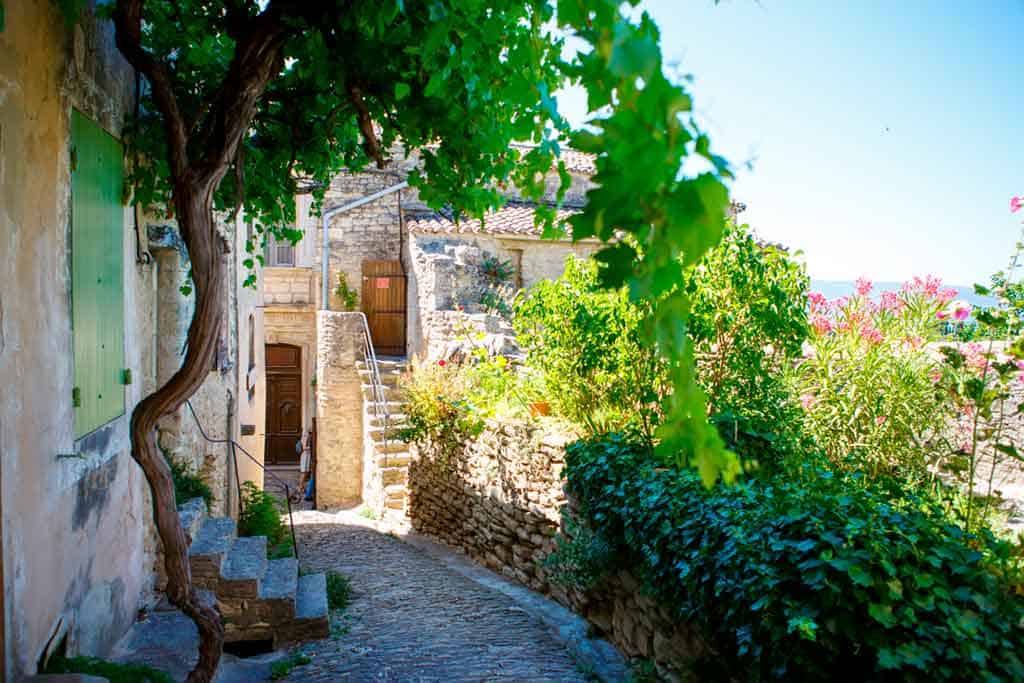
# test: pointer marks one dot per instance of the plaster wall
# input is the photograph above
(73, 512)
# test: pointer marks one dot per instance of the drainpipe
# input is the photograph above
(325, 218)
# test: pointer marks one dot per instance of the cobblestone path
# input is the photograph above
(412, 619)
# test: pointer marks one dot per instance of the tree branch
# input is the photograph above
(128, 34)
(370, 144)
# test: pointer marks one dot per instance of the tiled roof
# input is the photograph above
(515, 218)
(575, 161)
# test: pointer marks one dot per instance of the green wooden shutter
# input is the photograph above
(97, 293)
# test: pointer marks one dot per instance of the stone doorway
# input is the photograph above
(284, 404)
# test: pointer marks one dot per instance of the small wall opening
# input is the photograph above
(249, 648)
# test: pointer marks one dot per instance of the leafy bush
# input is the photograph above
(799, 579)
(339, 590)
(261, 516)
(349, 297)
(748, 320)
(580, 559)
(187, 485)
(437, 407)
(586, 342)
(111, 671)
(496, 271)
(871, 389)
(282, 668)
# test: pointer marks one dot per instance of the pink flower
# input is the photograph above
(1016, 204)
(914, 342)
(841, 302)
(442, 362)
(961, 310)
(821, 324)
(1019, 363)
(942, 315)
(947, 295)
(871, 334)
(936, 376)
(864, 286)
(880, 420)
(890, 302)
(817, 300)
(807, 401)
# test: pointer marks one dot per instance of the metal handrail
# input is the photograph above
(234, 456)
(376, 384)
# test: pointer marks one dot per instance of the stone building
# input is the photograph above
(91, 320)
(417, 278)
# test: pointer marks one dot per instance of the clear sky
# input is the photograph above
(883, 138)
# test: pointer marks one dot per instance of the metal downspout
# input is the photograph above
(325, 288)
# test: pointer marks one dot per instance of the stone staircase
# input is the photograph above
(386, 470)
(260, 599)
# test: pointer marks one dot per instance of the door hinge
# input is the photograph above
(126, 376)
(76, 397)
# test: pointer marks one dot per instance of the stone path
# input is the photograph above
(414, 619)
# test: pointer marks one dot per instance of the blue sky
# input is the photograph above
(884, 138)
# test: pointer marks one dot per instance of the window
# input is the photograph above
(280, 252)
(97, 280)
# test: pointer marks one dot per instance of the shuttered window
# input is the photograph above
(97, 280)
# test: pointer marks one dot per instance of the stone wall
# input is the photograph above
(445, 284)
(500, 500)
(339, 410)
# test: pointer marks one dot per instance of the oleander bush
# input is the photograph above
(260, 515)
(812, 577)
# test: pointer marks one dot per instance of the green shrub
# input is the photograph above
(187, 485)
(261, 516)
(437, 407)
(113, 672)
(748, 321)
(587, 344)
(339, 590)
(801, 579)
(282, 668)
(349, 297)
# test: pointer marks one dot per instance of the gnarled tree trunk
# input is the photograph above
(198, 229)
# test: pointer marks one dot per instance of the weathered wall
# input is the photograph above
(339, 410)
(445, 284)
(74, 563)
(500, 500)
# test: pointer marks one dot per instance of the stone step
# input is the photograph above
(394, 475)
(274, 610)
(393, 419)
(390, 406)
(311, 620)
(395, 459)
(390, 393)
(208, 549)
(192, 514)
(388, 379)
(379, 434)
(395, 491)
(244, 568)
(281, 581)
(386, 365)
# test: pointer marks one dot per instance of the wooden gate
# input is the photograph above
(284, 403)
(384, 305)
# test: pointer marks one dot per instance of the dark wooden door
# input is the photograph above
(284, 403)
(384, 305)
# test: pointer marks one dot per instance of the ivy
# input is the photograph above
(798, 579)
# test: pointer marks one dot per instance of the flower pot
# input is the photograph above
(538, 408)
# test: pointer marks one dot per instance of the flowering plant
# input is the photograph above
(870, 388)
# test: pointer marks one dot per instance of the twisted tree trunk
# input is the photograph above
(198, 157)
(199, 233)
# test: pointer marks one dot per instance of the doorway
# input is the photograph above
(384, 305)
(284, 403)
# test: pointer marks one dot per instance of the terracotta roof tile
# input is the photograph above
(575, 161)
(515, 218)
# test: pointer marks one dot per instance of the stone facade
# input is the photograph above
(501, 501)
(339, 410)
(74, 563)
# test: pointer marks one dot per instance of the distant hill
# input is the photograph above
(833, 289)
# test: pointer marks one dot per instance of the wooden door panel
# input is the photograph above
(284, 403)
(384, 305)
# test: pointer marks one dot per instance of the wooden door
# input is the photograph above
(284, 403)
(384, 305)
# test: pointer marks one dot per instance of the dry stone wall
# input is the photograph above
(501, 500)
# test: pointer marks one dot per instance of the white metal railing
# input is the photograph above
(377, 391)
